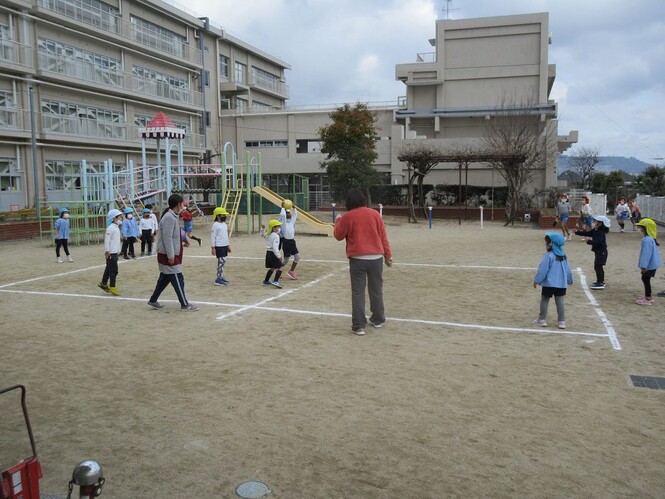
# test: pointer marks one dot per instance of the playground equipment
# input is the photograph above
(21, 481)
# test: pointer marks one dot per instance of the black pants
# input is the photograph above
(128, 247)
(178, 283)
(600, 272)
(61, 243)
(146, 238)
(111, 270)
(646, 279)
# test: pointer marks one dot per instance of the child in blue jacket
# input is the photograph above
(554, 276)
(649, 259)
(130, 233)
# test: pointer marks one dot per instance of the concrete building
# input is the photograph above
(98, 71)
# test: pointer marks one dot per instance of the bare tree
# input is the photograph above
(515, 137)
(583, 162)
(419, 159)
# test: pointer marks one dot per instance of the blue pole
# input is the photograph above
(430, 217)
(333, 212)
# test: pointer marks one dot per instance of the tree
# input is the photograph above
(583, 163)
(652, 181)
(420, 159)
(614, 186)
(349, 145)
(516, 138)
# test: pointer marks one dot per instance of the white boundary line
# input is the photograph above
(611, 333)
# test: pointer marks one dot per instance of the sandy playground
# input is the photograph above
(458, 395)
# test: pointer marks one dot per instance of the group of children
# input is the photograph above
(554, 274)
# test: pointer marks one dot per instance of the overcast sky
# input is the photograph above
(610, 56)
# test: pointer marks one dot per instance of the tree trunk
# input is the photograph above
(412, 212)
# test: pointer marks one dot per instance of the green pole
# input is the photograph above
(248, 189)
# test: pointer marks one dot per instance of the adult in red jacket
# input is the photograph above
(366, 247)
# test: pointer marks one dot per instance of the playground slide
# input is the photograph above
(314, 222)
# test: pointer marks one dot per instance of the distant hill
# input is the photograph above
(608, 164)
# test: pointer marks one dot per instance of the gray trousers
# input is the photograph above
(560, 308)
(370, 273)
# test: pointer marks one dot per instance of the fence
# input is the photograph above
(652, 207)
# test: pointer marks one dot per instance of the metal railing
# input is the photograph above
(274, 86)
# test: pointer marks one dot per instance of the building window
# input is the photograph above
(223, 67)
(8, 110)
(266, 143)
(265, 80)
(66, 175)
(79, 63)
(155, 83)
(308, 146)
(241, 103)
(240, 71)
(10, 177)
(78, 120)
(261, 106)
(92, 12)
(157, 37)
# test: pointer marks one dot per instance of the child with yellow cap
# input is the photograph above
(273, 257)
(649, 259)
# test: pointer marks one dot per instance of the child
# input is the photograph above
(130, 231)
(635, 214)
(649, 259)
(219, 238)
(155, 223)
(622, 213)
(288, 216)
(585, 213)
(188, 224)
(562, 210)
(554, 276)
(601, 226)
(112, 246)
(273, 259)
(147, 228)
(61, 235)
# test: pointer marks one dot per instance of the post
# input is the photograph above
(481, 217)
(333, 212)
(33, 146)
(84, 186)
(429, 208)
(381, 210)
(248, 189)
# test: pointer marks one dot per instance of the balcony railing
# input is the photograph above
(273, 86)
(14, 53)
(112, 23)
(94, 74)
(10, 118)
(426, 57)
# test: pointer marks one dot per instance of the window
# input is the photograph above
(308, 146)
(79, 63)
(240, 70)
(265, 80)
(73, 119)
(8, 110)
(10, 177)
(266, 143)
(155, 83)
(224, 67)
(157, 37)
(206, 78)
(241, 103)
(91, 12)
(66, 175)
(261, 106)
(7, 45)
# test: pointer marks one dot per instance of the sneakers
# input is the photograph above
(562, 324)
(221, 282)
(126, 258)
(104, 287)
(114, 291)
(597, 285)
(266, 283)
(276, 284)
(292, 275)
(645, 301)
(142, 254)
(189, 308)
(58, 260)
(358, 330)
(155, 304)
(661, 293)
(540, 322)
(376, 324)
(70, 259)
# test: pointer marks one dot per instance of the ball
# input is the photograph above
(287, 204)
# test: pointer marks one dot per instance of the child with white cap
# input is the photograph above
(554, 275)
(598, 242)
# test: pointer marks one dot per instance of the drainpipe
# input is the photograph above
(206, 27)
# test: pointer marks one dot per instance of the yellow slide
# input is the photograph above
(314, 222)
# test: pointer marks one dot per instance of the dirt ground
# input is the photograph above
(458, 395)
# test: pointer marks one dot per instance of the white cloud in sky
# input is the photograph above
(610, 55)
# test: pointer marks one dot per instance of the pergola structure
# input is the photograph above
(463, 159)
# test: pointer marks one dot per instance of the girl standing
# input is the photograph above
(622, 213)
(649, 259)
(562, 211)
(219, 237)
(274, 261)
(598, 242)
(554, 276)
(61, 235)
(147, 228)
